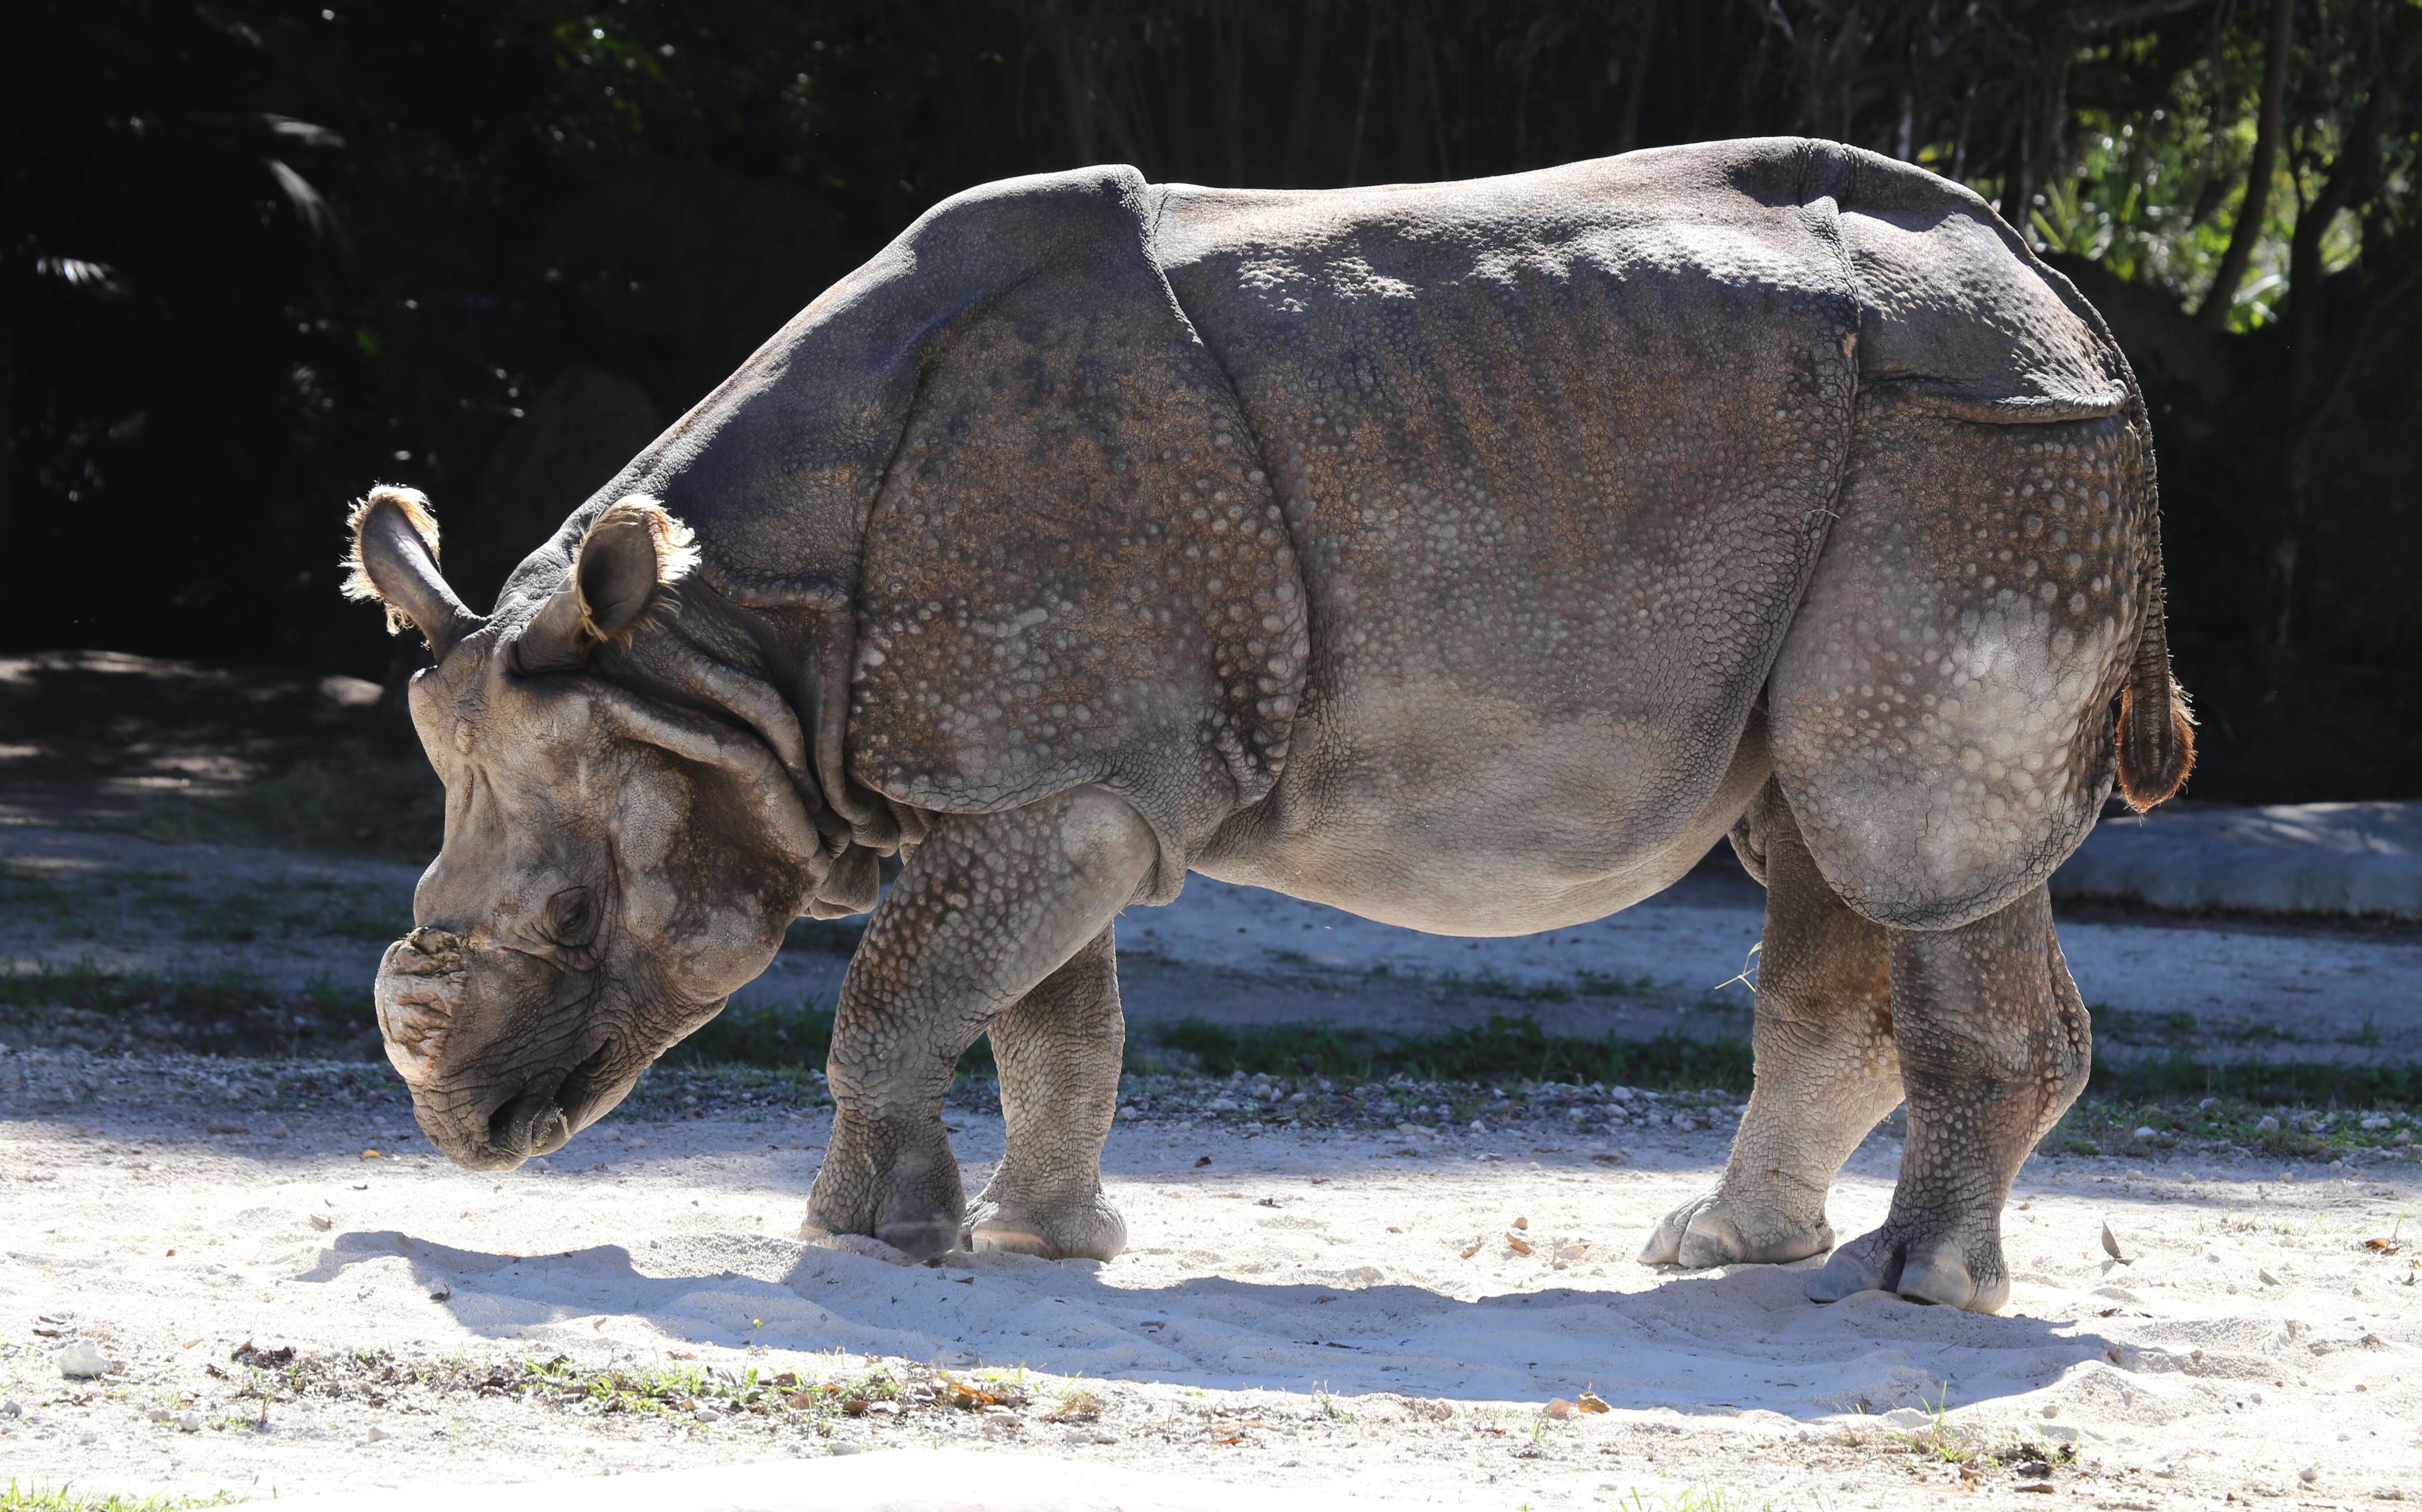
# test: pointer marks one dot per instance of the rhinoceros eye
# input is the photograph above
(572, 917)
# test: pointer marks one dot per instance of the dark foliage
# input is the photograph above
(253, 259)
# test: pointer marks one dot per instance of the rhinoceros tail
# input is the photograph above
(2156, 734)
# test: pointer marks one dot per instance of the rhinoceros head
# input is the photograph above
(616, 861)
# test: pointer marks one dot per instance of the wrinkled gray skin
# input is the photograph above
(1467, 556)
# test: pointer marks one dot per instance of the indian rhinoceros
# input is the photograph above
(1467, 556)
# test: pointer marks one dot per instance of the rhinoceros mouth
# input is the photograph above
(530, 1125)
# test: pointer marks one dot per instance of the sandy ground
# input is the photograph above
(1339, 1310)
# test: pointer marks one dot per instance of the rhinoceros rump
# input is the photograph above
(1467, 556)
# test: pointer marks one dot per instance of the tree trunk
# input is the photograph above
(2266, 131)
(11, 154)
(2313, 379)
(1305, 106)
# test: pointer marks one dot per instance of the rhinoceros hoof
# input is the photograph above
(1087, 1231)
(1946, 1269)
(1718, 1229)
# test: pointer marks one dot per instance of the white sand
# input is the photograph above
(1289, 1313)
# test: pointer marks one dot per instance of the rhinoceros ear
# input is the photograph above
(393, 561)
(626, 558)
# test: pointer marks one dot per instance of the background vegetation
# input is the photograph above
(253, 257)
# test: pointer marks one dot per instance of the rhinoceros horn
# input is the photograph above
(393, 561)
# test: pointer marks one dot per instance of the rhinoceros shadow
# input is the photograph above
(1715, 1342)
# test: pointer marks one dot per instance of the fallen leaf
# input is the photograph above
(2268, 1279)
(1575, 1251)
(1608, 1159)
(2042, 1486)
(1521, 1222)
(1592, 1402)
(1202, 1162)
(1468, 1251)
(2111, 1245)
(321, 1220)
(372, 1155)
(1521, 1245)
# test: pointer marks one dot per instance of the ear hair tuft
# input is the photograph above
(415, 505)
(676, 548)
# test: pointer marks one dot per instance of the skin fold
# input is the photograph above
(1469, 556)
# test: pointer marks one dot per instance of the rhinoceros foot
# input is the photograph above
(1721, 1228)
(1944, 1266)
(891, 1178)
(1085, 1230)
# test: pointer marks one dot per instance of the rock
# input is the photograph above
(2145, 1131)
(2267, 1124)
(1559, 1408)
(8, 1408)
(189, 1423)
(707, 1414)
(2309, 1474)
(1907, 1419)
(81, 1361)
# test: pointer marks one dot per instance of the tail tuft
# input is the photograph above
(2156, 737)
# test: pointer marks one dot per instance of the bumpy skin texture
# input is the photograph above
(1827, 1064)
(1001, 921)
(1468, 555)
(1994, 1046)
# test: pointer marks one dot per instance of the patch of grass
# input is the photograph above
(1504, 1049)
(349, 805)
(1599, 984)
(66, 1497)
(2296, 1083)
(831, 937)
(223, 1013)
(785, 1038)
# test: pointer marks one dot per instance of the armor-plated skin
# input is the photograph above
(1467, 556)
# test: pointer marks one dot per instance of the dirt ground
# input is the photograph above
(1346, 1308)
(1401, 1290)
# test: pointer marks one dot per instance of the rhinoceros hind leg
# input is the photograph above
(986, 909)
(1058, 1050)
(1994, 1046)
(1825, 1064)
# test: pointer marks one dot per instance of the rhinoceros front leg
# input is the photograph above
(1994, 1046)
(1825, 1067)
(985, 910)
(1058, 1050)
